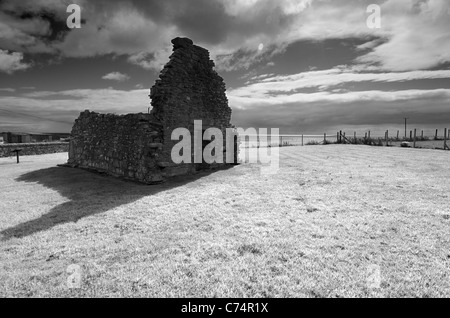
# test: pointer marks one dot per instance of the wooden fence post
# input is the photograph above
(398, 131)
(325, 138)
(414, 144)
(435, 135)
(445, 138)
(369, 134)
(421, 136)
(302, 139)
(387, 137)
(410, 135)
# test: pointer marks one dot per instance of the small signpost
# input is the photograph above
(17, 153)
(445, 139)
(386, 136)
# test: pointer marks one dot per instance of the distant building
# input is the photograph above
(21, 138)
(59, 136)
(41, 138)
(16, 138)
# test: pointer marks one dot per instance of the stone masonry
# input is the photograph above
(139, 146)
(35, 148)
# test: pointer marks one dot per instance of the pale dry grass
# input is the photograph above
(311, 230)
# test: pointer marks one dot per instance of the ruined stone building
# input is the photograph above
(139, 146)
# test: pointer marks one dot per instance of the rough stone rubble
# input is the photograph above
(138, 146)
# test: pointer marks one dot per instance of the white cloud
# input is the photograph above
(100, 100)
(149, 61)
(265, 111)
(244, 59)
(24, 35)
(109, 30)
(415, 34)
(116, 76)
(7, 89)
(418, 36)
(331, 111)
(237, 100)
(266, 86)
(12, 62)
(412, 37)
(65, 106)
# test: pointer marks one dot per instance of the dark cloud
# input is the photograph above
(58, 28)
(206, 21)
(32, 27)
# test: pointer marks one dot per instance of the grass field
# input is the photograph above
(317, 228)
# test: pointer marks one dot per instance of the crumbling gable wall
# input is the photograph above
(139, 146)
(189, 89)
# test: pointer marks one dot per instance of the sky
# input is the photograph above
(303, 66)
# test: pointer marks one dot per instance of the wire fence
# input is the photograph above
(438, 139)
(416, 139)
(255, 141)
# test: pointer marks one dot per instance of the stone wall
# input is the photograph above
(38, 148)
(139, 146)
(127, 146)
(189, 89)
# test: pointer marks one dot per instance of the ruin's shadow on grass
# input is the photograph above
(89, 193)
